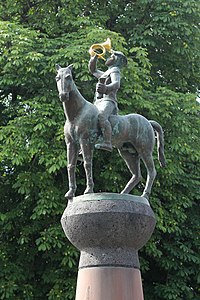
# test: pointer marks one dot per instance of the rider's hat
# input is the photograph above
(121, 58)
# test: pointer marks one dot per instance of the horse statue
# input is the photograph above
(133, 135)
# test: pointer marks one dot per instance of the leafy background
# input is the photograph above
(161, 81)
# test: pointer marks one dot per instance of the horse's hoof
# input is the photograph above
(146, 195)
(69, 195)
(89, 191)
(124, 192)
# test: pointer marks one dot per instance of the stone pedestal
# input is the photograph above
(108, 229)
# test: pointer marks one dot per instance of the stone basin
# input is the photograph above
(108, 228)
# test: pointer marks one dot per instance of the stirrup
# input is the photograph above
(104, 146)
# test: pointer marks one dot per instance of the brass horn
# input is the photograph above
(101, 49)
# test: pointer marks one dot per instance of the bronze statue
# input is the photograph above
(107, 87)
(133, 135)
(106, 91)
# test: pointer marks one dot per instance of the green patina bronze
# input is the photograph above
(98, 125)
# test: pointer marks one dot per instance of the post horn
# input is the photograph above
(100, 49)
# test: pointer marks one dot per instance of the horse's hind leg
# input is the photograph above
(72, 154)
(133, 163)
(87, 151)
(151, 174)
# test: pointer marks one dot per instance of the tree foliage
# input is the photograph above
(161, 41)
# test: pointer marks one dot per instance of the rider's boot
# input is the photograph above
(107, 132)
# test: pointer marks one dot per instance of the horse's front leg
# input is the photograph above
(72, 154)
(87, 151)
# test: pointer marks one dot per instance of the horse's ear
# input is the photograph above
(58, 67)
(70, 67)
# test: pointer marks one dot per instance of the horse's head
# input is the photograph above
(64, 82)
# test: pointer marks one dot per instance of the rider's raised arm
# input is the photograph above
(93, 67)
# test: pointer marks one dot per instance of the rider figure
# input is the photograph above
(106, 91)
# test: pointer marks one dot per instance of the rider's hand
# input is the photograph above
(101, 88)
(93, 63)
(93, 59)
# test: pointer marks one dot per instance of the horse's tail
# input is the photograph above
(160, 142)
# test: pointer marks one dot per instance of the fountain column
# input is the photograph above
(108, 229)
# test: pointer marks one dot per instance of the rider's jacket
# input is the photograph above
(106, 79)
